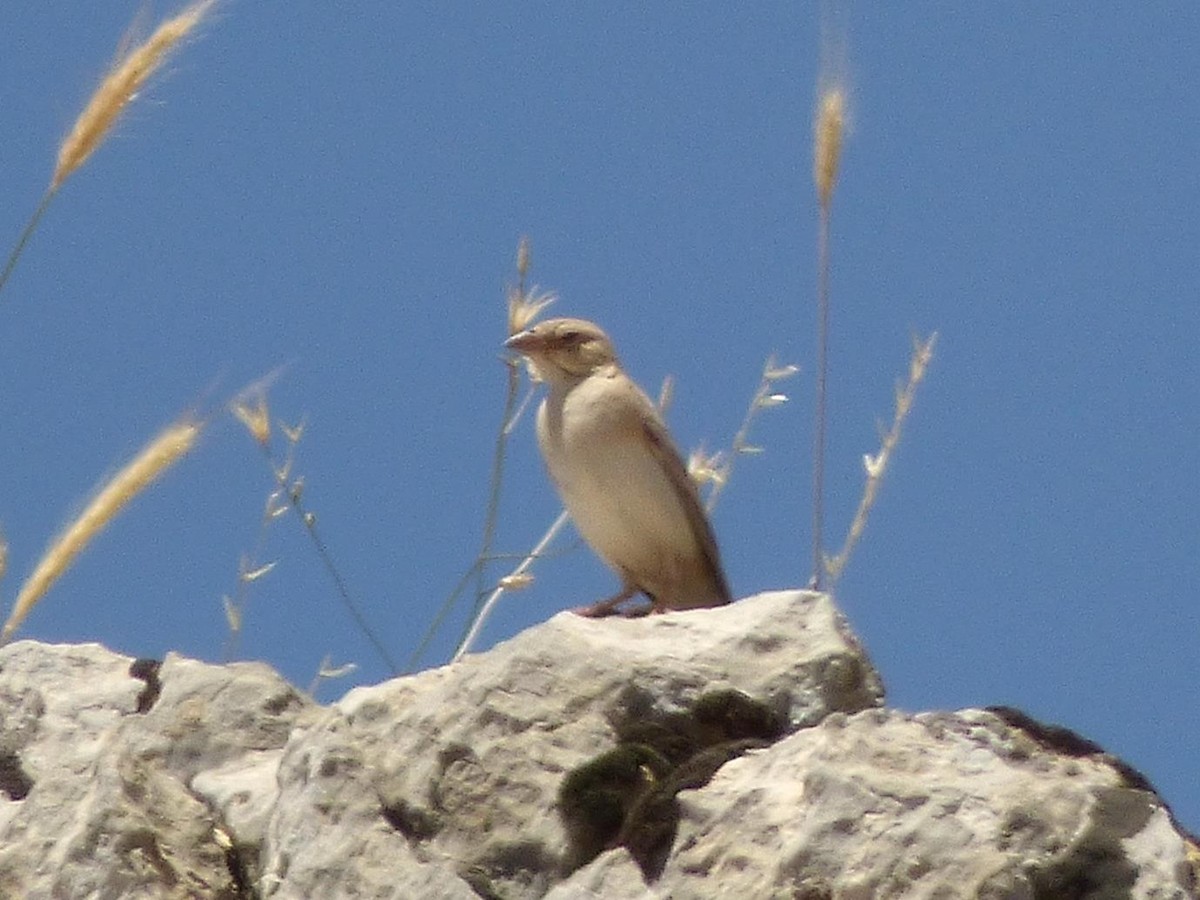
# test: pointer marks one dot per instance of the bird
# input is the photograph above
(619, 474)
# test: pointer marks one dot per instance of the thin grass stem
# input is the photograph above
(485, 611)
(26, 234)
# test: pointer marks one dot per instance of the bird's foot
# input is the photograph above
(603, 610)
(609, 607)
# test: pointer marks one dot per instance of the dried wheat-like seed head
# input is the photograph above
(120, 86)
(249, 406)
(154, 459)
(523, 309)
(828, 131)
(255, 415)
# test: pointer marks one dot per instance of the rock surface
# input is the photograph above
(739, 751)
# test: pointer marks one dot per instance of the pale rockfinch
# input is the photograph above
(618, 472)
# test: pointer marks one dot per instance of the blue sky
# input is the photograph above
(340, 189)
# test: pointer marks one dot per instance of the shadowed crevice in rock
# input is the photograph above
(1096, 864)
(508, 867)
(240, 869)
(413, 822)
(147, 670)
(625, 797)
(142, 849)
(14, 781)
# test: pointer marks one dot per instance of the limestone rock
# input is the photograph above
(465, 762)
(739, 751)
(106, 749)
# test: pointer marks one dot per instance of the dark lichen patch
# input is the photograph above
(14, 781)
(733, 716)
(715, 718)
(626, 797)
(147, 670)
(674, 737)
(649, 830)
(596, 799)
(699, 770)
(1052, 737)
(413, 822)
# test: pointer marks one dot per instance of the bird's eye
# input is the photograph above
(570, 337)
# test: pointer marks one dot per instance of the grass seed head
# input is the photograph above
(523, 309)
(828, 131)
(129, 74)
(154, 459)
(254, 414)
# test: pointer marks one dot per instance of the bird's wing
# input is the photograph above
(668, 457)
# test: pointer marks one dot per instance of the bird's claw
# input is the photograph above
(611, 607)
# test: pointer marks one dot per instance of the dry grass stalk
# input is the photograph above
(828, 132)
(518, 579)
(716, 469)
(250, 407)
(524, 306)
(522, 260)
(129, 74)
(155, 458)
(876, 465)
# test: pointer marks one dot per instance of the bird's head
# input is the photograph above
(564, 349)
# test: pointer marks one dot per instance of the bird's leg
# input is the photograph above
(606, 607)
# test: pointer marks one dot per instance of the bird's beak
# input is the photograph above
(527, 341)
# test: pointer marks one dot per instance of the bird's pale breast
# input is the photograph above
(612, 483)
